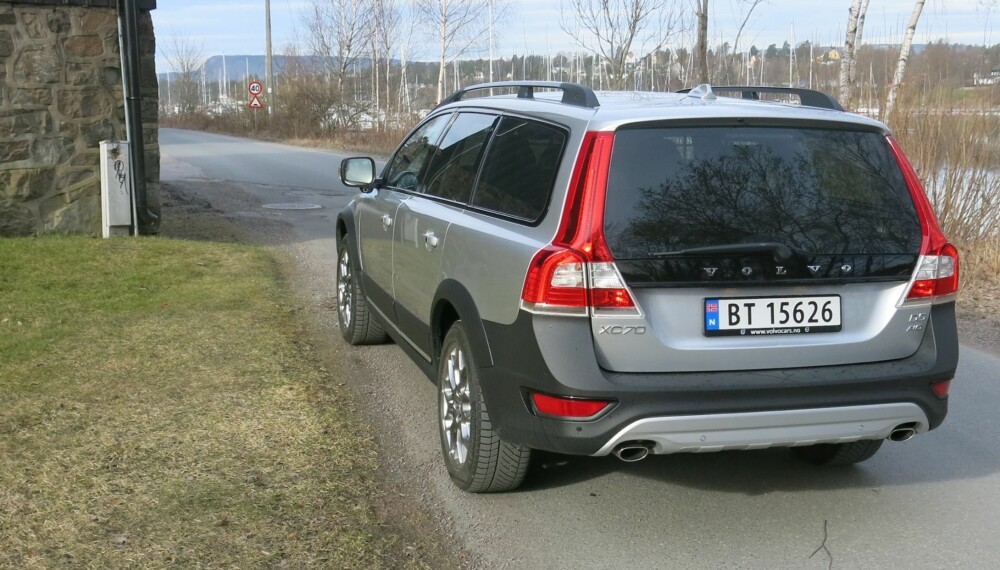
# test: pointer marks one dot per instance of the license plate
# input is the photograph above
(765, 316)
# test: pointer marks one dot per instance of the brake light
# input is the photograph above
(576, 272)
(567, 408)
(936, 274)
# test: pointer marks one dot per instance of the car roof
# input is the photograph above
(619, 108)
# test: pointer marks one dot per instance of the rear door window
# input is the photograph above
(520, 168)
(822, 191)
(452, 172)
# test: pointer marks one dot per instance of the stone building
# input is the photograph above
(60, 95)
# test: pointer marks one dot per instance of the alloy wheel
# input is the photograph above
(345, 289)
(456, 407)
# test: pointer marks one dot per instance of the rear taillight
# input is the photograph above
(576, 272)
(556, 280)
(936, 275)
(567, 408)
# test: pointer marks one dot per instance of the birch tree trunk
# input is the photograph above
(857, 42)
(444, 51)
(460, 25)
(904, 55)
(847, 60)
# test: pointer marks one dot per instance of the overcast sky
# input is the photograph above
(236, 27)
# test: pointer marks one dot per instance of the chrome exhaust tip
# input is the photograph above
(632, 451)
(903, 432)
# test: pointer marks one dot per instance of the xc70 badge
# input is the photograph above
(618, 329)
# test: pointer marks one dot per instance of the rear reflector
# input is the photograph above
(940, 389)
(567, 408)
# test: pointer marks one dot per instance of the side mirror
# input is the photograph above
(357, 172)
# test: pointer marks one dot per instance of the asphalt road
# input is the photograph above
(932, 502)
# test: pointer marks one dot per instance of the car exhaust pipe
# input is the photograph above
(632, 451)
(903, 432)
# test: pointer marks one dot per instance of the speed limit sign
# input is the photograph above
(256, 88)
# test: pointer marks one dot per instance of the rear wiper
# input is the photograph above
(781, 251)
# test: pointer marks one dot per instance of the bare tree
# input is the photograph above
(751, 6)
(986, 7)
(408, 29)
(387, 16)
(613, 29)
(904, 55)
(459, 24)
(338, 31)
(186, 58)
(852, 71)
(306, 96)
(701, 47)
(847, 59)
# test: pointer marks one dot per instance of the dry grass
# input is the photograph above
(373, 142)
(160, 408)
(979, 295)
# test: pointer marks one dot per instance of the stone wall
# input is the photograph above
(60, 95)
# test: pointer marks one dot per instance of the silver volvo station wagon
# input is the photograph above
(634, 273)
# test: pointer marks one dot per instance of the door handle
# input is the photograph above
(386, 221)
(430, 240)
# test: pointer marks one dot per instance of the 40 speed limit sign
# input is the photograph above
(256, 88)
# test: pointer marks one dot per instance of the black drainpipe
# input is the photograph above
(128, 23)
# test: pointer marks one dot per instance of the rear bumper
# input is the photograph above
(739, 410)
(760, 430)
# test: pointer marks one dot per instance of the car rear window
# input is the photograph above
(823, 191)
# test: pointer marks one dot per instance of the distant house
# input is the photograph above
(828, 57)
(993, 78)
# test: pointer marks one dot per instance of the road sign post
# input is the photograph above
(255, 89)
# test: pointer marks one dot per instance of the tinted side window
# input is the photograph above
(520, 168)
(822, 191)
(452, 172)
(404, 170)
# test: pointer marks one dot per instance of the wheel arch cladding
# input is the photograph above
(453, 302)
(345, 227)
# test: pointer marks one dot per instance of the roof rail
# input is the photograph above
(573, 94)
(809, 97)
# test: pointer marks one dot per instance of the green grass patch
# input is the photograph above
(159, 407)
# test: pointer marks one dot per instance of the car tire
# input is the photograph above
(478, 461)
(838, 453)
(357, 324)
